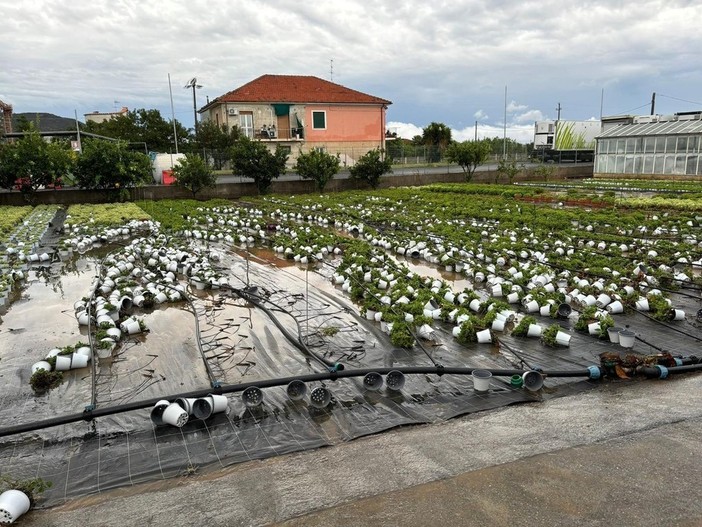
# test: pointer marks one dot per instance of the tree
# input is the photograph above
(253, 159)
(371, 167)
(508, 169)
(143, 126)
(437, 136)
(469, 155)
(31, 163)
(544, 172)
(193, 173)
(318, 166)
(217, 139)
(111, 165)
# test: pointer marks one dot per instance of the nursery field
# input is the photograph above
(211, 333)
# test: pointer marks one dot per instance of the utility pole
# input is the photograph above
(558, 109)
(175, 134)
(653, 103)
(504, 129)
(192, 83)
(476, 130)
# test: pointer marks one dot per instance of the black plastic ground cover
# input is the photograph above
(242, 345)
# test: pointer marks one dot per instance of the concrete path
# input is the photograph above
(622, 454)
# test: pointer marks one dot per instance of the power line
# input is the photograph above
(677, 99)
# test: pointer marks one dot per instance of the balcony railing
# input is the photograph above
(271, 133)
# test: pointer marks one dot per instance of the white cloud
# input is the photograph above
(480, 115)
(416, 54)
(514, 107)
(529, 117)
(404, 130)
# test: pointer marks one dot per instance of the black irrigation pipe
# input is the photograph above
(89, 413)
(661, 372)
(250, 296)
(678, 330)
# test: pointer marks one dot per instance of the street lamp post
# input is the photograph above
(192, 83)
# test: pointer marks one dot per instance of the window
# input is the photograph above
(246, 124)
(319, 120)
(682, 145)
(648, 165)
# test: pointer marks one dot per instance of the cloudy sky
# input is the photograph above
(443, 61)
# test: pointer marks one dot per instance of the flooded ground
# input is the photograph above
(241, 343)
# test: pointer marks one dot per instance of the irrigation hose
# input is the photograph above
(254, 299)
(593, 372)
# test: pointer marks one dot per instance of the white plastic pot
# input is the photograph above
(63, 362)
(481, 381)
(484, 336)
(78, 360)
(212, 404)
(676, 314)
(370, 314)
(41, 365)
(613, 334)
(642, 304)
(626, 338)
(174, 415)
(545, 311)
(562, 338)
(130, 326)
(615, 307)
(593, 328)
(426, 331)
(114, 333)
(157, 411)
(498, 325)
(474, 305)
(532, 306)
(106, 352)
(513, 298)
(534, 330)
(603, 300)
(13, 504)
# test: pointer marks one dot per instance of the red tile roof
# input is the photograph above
(295, 89)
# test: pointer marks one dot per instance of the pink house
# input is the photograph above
(301, 113)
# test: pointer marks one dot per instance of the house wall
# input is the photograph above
(351, 130)
(346, 123)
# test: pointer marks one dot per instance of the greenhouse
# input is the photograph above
(655, 148)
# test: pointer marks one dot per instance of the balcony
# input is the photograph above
(273, 134)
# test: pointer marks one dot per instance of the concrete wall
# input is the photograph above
(238, 190)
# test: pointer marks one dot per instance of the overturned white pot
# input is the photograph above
(484, 336)
(212, 404)
(13, 504)
(534, 330)
(562, 338)
(615, 307)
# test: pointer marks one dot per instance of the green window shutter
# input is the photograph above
(319, 120)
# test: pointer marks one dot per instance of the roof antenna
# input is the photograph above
(331, 70)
